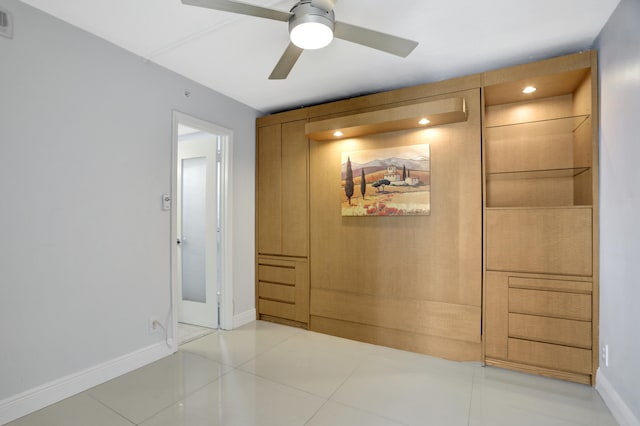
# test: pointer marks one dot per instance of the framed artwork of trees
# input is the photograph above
(387, 182)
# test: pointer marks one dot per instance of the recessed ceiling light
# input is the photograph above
(338, 133)
(424, 121)
(529, 89)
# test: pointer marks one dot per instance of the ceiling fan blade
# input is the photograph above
(241, 8)
(386, 42)
(327, 5)
(286, 62)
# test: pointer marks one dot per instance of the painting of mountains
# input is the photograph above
(387, 182)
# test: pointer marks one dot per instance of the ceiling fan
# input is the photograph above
(312, 25)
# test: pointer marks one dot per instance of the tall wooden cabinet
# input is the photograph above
(282, 241)
(525, 207)
(540, 153)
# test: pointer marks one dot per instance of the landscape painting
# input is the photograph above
(387, 182)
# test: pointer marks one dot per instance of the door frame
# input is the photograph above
(226, 273)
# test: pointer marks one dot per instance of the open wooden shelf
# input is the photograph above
(537, 174)
(538, 128)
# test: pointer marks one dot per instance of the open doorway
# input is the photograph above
(201, 273)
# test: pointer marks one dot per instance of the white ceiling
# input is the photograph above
(235, 54)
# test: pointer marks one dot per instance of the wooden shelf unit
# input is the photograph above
(511, 246)
(282, 221)
(540, 161)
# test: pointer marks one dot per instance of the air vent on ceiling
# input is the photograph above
(6, 23)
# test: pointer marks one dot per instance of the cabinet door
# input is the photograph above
(542, 240)
(295, 148)
(269, 190)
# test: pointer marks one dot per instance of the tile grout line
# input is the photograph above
(104, 404)
(473, 384)
(368, 355)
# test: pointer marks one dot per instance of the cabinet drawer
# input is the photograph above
(283, 288)
(277, 309)
(556, 304)
(550, 356)
(565, 286)
(279, 292)
(551, 330)
(277, 274)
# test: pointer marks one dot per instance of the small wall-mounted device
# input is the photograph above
(6, 23)
(166, 202)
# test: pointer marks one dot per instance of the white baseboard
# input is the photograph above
(620, 410)
(34, 399)
(244, 318)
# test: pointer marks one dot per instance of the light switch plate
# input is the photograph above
(166, 202)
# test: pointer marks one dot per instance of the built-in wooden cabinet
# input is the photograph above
(283, 288)
(540, 156)
(282, 229)
(504, 270)
(281, 189)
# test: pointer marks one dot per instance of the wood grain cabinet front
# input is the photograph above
(283, 289)
(541, 215)
(282, 216)
(540, 325)
(281, 187)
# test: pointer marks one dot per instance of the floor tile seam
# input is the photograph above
(188, 394)
(350, 375)
(194, 338)
(221, 362)
(260, 353)
(315, 413)
(337, 401)
(257, 353)
(400, 421)
(108, 407)
(185, 396)
(271, 380)
(473, 388)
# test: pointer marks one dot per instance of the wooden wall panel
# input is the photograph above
(269, 203)
(455, 321)
(294, 189)
(436, 258)
(496, 310)
(457, 350)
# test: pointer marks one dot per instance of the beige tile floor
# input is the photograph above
(268, 374)
(189, 332)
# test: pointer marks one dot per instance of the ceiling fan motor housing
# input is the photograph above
(305, 13)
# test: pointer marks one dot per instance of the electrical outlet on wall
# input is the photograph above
(154, 325)
(605, 355)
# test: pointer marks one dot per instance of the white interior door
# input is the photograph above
(197, 216)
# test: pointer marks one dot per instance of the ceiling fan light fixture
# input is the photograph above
(311, 27)
(311, 35)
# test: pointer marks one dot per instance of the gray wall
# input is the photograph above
(619, 58)
(85, 154)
